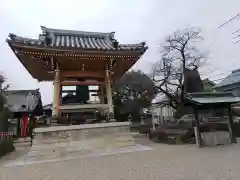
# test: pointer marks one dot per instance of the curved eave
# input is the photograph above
(44, 75)
(20, 59)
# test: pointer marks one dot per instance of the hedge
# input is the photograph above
(6, 147)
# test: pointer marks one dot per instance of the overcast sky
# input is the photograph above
(132, 20)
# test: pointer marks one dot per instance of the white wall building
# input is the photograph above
(161, 111)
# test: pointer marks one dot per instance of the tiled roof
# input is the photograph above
(233, 78)
(207, 81)
(160, 99)
(78, 39)
(212, 98)
(23, 100)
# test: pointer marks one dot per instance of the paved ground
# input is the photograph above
(164, 162)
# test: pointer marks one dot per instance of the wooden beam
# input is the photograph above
(82, 74)
(43, 50)
(76, 83)
(72, 91)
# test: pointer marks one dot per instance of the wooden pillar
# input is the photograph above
(230, 125)
(109, 94)
(197, 130)
(56, 93)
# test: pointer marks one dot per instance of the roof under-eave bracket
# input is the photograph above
(81, 40)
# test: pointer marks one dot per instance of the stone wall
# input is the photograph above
(89, 136)
(216, 138)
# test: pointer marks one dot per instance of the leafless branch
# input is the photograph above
(178, 52)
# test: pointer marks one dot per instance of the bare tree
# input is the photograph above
(179, 53)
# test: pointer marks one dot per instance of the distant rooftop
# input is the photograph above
(23, 100)
(231, 79)
(208, 81)
(212, 98)
(160, 99)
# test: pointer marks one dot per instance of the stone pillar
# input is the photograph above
(101, 96)
(230, 125)
(197, 130)
(109, 95)
(56, 93)
(60, 94)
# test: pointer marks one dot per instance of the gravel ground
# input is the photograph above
(164, 162)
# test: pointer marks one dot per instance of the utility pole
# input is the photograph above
(183, 88)
(164, 72)
(1, 97)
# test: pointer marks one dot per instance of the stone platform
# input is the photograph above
(215, 138)
(89, 134)
(53, 143)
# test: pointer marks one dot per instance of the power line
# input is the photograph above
(230, 20)
(236, 36)
(237, 17)
(225, 23)
(236, 42)
(236, 31)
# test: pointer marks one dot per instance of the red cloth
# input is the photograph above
(24, 126)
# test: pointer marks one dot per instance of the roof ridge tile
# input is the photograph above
(75, 33)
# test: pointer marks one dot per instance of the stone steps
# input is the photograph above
(65, 141)
(83, 147)
(93, 143)
(77, 149)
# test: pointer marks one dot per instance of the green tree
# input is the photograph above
(133, 92)
(4, 111)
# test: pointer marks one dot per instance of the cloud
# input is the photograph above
(133, 21)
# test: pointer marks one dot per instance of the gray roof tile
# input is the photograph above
(232, 78)
(212, 98)
(78, 39)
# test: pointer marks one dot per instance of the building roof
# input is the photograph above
(160, 99)
(207, 81)
(212, 98)
(58, 38)
(231, 79)
(23, 100)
